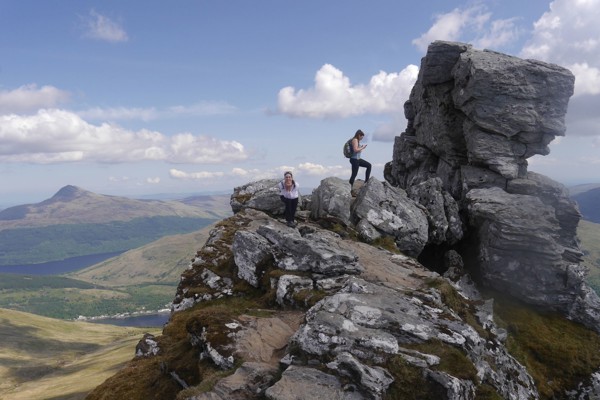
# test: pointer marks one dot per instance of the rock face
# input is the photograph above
(362, 316)
(341, 308)
(474, 119)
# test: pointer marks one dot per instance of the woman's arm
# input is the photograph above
(355, 147)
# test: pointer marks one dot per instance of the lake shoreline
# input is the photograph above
(148, 319)
(59, 267)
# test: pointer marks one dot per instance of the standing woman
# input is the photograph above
(288, 193)
(355, 159)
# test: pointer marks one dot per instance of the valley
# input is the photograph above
(44, 358)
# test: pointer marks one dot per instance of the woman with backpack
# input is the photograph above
(355, 159)
(288, 193)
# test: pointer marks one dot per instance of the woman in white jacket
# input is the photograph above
(288, 192)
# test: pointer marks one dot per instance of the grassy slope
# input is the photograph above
(589, 235)
(143, 278)
(161, 261)
(59, 242)
(44, 358)
(76, 222)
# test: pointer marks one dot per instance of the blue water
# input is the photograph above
(77, 263)
(138, 321)
(58, 267)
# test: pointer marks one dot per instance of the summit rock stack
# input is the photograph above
(474, 118)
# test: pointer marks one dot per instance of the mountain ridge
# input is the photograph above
(74, 205)
(76, 222)
(588, 201)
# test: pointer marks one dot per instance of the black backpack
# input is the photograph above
(348, 148)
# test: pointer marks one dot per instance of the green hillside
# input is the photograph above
(44, 358)
(589, 236)
(588, 202)
(140, 279)
(159, 262)
(76, 222)
(58, 242)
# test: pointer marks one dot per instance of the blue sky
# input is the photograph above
(135, 98)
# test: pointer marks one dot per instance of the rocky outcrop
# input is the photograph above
(362, 316)
(341, 306)
(382, 209)
(474, 119)
(332, 200)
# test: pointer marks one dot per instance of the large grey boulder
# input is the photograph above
(260, 195)
(557, 196)
(517, 250)
(515, 107)
(308, 383)
(315, 250)
(331, 199)
(389, 211)
(480, 108)
(445, 225)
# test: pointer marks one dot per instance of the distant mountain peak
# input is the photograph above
(67, 193)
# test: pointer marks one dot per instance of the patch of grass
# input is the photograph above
(452, 360)
(409, 383)
(308, 298)
(387, 243)
(463, 307)
(334, 225)
(487, 392)
(558, 353)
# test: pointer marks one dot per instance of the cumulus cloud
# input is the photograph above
(148, 114)
(29, 98)
(333, 95)
(568, 34)
(203, 175)
(322, 170)
(54, 136)
(118, 178)
(100, 27)
(153, 181)
(303, 169)
(587, 79)
(473, 25)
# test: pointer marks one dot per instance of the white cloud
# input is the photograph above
(118, 178)
(302, 170)
(119, 113)
(473, 25)
(322, 170)
(178, 174)
(587, 79)
(153, 181)
(100, 27)
(53, 136)
(333, 96)
(568, 34)
(152, 113)
(29, 98)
